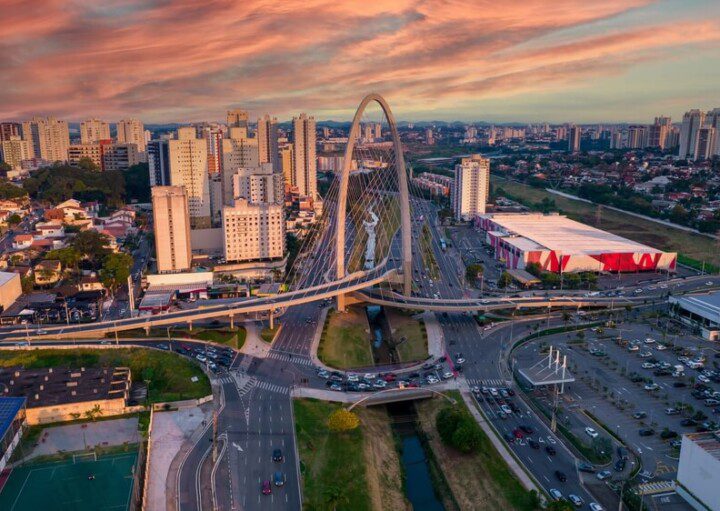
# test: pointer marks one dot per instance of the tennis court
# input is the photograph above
(80, 484)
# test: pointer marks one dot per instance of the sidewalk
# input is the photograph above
(436, 338)
(254, 345)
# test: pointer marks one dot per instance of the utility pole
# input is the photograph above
(215, 436)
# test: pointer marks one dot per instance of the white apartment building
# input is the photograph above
(188, 167)
(259, 185)
(172, 228)
(304, 150)
(131, 131)
(239, 152)
(94, 130)
(49, 138)
(471, 187)
(253, 231)
(14, 151)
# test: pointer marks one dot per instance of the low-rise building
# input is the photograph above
(12, 424)
(698, 474)
(62, 394)
(699, 310)
(10, 288)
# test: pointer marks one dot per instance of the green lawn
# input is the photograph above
(428, 255)
(345, 341)
(404, 326)
(695, 246)
(494, 485)
(330, 463)
(268, 334)
(170, 374)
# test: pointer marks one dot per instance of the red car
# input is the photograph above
(517, 433)
(389, 377)
(266, 488)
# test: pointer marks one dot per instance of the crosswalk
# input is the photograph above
(290, 357)
(272, 387)
(226, 379)
(489, 383)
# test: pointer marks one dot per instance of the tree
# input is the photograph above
(342, 420)
(467, 437)
(10, 191)
(14, 219)
(504, 280)
(91, 245)
(474, 272)
(115, 269)
(446, 423)
(69, 257)
(86, 163)
(137, 183)
(534, 269)
(335, 496)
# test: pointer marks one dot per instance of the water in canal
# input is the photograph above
(419, 488)
(383, 351)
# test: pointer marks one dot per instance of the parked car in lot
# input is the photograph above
(591, 432)
(594, 506)
(646, 432)
(586, 467)
(603, 475)
(639, 415)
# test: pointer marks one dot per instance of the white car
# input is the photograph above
(649, 340)
(493, 392)
(506, 409)
(555, 494)
(604, 475)
(648, 365)
(709, 283)
(432, 379)
(633, 347)
(703, 378)
(370, 376)
(661, 347)
(576, 500)
(447, 375)
(651, 386)
(591, 432)
(594, 506)
(353, 378)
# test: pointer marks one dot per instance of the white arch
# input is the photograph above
(405, 222)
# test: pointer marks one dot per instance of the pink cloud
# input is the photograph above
(188, 60)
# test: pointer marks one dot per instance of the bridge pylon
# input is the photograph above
(405, 219)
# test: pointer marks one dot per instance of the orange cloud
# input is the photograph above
(190, 59)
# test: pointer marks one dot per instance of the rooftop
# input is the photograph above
(6, 276)
(563, 235)
(708, 441)
(62, 385)
(9, 407)
(706, 304)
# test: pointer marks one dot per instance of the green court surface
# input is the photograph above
(67, 486)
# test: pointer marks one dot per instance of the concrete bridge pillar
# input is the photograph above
(272, 320)
(190, 325)
(147, 330)
(340, 302)
(232, 321)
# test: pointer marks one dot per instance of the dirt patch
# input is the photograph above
(384, 475)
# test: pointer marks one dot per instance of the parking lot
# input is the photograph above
(642, 385)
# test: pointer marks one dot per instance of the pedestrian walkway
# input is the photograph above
(272, 387)
(293, 358)
(489, 383)
(254, 345)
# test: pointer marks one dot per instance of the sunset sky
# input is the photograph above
(511, 60)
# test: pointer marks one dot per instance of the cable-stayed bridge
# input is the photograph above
(371, 202)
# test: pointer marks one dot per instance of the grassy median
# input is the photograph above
(170, 374)
(345, 341)
(355, 471)
(409, 335)
(480, 480)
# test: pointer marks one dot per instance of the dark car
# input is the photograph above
(688, 422)
(526, 429)
(586, 467)
(550, 450)
(622, 453)
(667, 434)
(517, 433)
(278, 478)
(620, 465)
(679, 384)
(509, 437)
(532, 443)
(561, 476)
(266, 488)
(278, 456)
(646, 432)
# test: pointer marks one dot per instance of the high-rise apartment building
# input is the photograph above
(158, 162)
(14, 150)
(253, 231)
(658, 132)
(287, 164)
(713, 119)
(120, 156)
(574, 139)
(637, 137)
(48, 137)
(92, 152)
(267, 135)
(239, 152)
(305, 162)
(94, 130)
(692, 121)
(471, 187)
(213, 135)
(131, 131)
(237, 118)
(172, 228)
(259, 185)
(8, 130)
(705, 146)
(188, 168)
